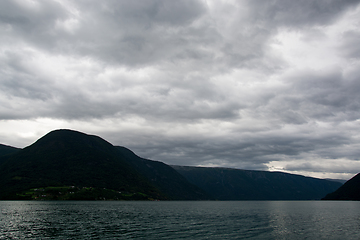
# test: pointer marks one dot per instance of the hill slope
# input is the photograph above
(164, 177)
(6, 151)
(65, 157)
(349, 191)
(235, 184)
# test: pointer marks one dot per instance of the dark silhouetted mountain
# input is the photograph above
(66, 157)
(164, 177)
(6, 152)
(349, 191)
(66, 164)
(235, 184)
(69, 158)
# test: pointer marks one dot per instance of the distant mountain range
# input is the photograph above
(236, 184)
(70, 165)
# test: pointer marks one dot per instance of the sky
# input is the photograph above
(248, 84)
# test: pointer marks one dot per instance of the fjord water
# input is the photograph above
(180, 220)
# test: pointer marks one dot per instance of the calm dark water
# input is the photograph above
(179, 220)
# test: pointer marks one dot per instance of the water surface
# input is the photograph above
(180, 220)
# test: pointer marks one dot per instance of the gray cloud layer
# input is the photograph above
(246, 84)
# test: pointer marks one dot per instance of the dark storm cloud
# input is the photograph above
(218, 83)
(32, 22)
(136, 33)
(313, 95)
(241, 150)
(327, 96)
(123, 32)
(299, 13)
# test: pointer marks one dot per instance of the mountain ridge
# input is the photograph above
(66, 159)
(238, 184)
(164, 177)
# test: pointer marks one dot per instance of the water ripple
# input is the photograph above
(179, 220)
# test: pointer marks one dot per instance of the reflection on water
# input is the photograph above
(315, 220)
(184, 219)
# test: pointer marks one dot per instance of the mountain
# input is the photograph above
(164, 177)
(349, 191)
(70, 165)
(66, 161)
(70, 158)
(235, 184)
(6, 151)
(342, 181)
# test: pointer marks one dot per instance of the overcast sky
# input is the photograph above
(249, 84)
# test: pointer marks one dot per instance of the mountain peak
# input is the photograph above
(66, 139)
